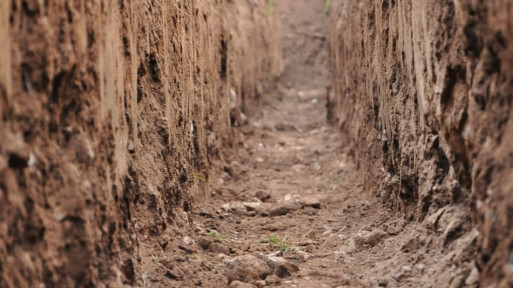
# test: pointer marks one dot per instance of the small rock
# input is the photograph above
(252, 206)
(371, 238)
(307, 243)
(186, 249)
(204, 243)
(420, 267)
(187, 240)
(219, 249)
(262, 195)
(454, 229)
(247, 268)
(235, 207)
(382, 282)
(276, 254)
(175, 274)
(303, 256)
(285, 127)
(283, 267)
(260, 283)
(264, 213)
(239, 284)
(272, 280)
(235, 169)
(311, 201)
(131, 148)
(206, 214)
(243, 119)
(473, 277)
(284, 209)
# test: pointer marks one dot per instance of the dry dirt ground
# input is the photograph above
(289, 209)
(292, 198)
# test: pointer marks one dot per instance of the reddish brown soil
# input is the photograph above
(110, 114)
(141, 146)
(337, 234)
(423, 91)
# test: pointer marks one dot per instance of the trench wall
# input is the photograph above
(424, 91)
(113, 115)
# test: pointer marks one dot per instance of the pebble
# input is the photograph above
(285, 127)
(371, 238)
(284, 209)
(236, 207)
(252, 206)
(303, 256)
(283, 267)
(219, 249)
(473, 277)
(307, 243)
(262, 195)
(311, 201)
(187, 240)
(204, 243)
(247, 268)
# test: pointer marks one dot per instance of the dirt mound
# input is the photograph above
(113, 118)
(424, 90)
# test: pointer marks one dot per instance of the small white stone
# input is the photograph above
(233, 96)
(32, 160)
(58, 215)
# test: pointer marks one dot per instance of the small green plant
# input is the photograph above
(198, 177)
(280, 244)
(340, 177)
(270, 11)
(274, 240)
(219, 236)
(327, 8)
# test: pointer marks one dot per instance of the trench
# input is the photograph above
(255, 143)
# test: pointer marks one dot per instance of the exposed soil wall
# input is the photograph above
(111, 114)
(425, 90)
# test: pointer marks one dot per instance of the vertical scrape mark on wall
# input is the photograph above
(5, 57)
(166, 77)
(134, 64)
(418, 39)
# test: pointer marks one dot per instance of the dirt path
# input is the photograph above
(289, 212)
(289, 209)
